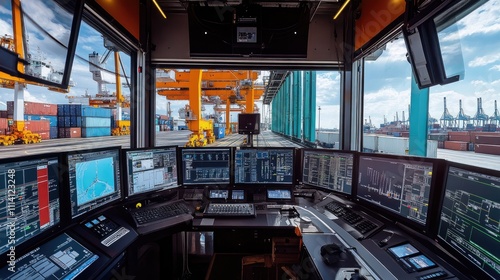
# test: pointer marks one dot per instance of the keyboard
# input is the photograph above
(158, 212)
(231, 210)
(352, 218)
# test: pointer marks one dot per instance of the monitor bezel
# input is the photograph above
(67, 195)
(265, 185)
(27, 245)
(462, 261)
(207, 184)
(149, 194)
(436, 182)
(354, 170)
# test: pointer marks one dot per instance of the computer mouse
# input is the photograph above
(331, 253)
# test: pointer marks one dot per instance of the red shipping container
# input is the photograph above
(2, 131)
(44, 134)
(4, 124)
(476, 133)
(458, 132)
(75, 132)
(486, 139)
(36, 126)
(33, 108)
(459, 138)
(456, 145)
(487, 149)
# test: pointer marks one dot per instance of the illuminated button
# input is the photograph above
(95, 221)
(89, 225)
(101, 218)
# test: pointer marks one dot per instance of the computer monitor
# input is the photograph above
(469, 218)
(206, 166)
(401, 187)
(328, 169)
(264, 166)
(249, 123)
(94, 179)
(150, 170)
(30, 200)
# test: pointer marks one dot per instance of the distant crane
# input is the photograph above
(462, 117)
(447, 120)
(480, 118)
(495, 119)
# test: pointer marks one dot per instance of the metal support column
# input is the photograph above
(309, 105)
(228, 116)
(419, 115)
(288, 107)
(297, 106)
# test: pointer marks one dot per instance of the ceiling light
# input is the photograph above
(159, 9)
(341, 9)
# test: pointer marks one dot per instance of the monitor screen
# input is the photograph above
(60, 258)
(29, 204)
(249, 123)
(399, 185)
(470, 214)
(201, 166)
(279, 194)
(150, 170)
(94, 179)
(264, 166)
(328, 169)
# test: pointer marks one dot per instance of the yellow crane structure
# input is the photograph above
(233, 87)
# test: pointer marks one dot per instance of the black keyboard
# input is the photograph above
(231, 210)
(158, 212)
(352, 218)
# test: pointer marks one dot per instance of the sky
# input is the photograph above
(387, 79)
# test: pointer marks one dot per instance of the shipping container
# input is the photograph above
(52, 119)
(486, 139)
(96, 122)
(219, 132)
(452, 136)
(370, 142)
(487, 149)
(45, 135)
(88, 111)
(432, 147)
(393, 145)
(4, 123)
(53, 132)
(75, 110)
(70, 132)
(456, 145)
(32, 108)
(61, 121)
(439, 137)
(328, 137)
(75, 121)
(36, 126)
(95, 131)
(3, 114)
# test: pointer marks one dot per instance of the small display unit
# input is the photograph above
(59, 258)
(264, 166)
(402, 187)
(218, 194)
(150, 170)
(249, 123)
(94, 179)
(410, 258)
(329, 170)
(206, 166)
(469, 218)
(30, 199)
(238, 195)
(279, 194)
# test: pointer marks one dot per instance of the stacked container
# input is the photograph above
(41, 127)
(36, 117)
(69, 117)
(96, 122)
(4, 126)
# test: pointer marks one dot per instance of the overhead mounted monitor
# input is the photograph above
(150, 170)
(30, 200)
(328, 169)
(249, 123)
(401, 187)
(94, 179)
(206, 166)
(469, 218)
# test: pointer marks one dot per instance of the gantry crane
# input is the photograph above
(233, 87)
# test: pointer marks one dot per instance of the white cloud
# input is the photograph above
(4, 10)
(485, 60)
(484, 20)
(496, 68)
(327, 88)
(387, 102)
(394, 52)
(6, 28)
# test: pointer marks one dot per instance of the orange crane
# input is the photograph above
(233, 87)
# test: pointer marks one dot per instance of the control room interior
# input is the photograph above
(151, 211)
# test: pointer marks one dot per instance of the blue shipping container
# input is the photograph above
(51, 119)
(67, 121)
(96, 122)
(60, 110)
(75, 110)
(75, 121)
(95, 131)
(88, 111)
(53, 132)
(61, 122)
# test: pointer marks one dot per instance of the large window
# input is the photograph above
(463, 119)
(92, 84)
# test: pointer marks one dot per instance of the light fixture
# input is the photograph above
(159, 9)
(341, 9)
